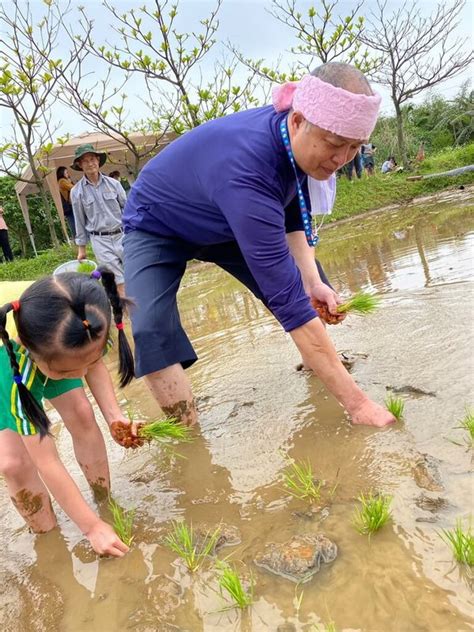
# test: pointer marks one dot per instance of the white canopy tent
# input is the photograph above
(118, 159)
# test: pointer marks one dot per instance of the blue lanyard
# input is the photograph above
(311, 235)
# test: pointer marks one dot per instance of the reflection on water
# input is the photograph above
(255, 409)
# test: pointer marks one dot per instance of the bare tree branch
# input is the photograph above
(417, 52)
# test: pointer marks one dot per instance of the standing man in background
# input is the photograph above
(98, 202)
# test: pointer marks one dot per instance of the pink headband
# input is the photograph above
(334, 109)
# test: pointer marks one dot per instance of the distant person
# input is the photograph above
(123, 181)
(97, 202)
(420, 156)
(389, 165)
(368, 157)
(65, 185)
(4, 240)
(354, 165)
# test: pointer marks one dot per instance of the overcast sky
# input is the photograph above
(245, 23)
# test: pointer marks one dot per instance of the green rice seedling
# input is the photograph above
(461, 542)
(329, 627)
(164, 430)
(122, 521)
(230, 582)
(467, 423)
(373, 514)
(85, 268)
(360, 303)
(181, 540)
(298, 600)
(396, 406)
(299, 481)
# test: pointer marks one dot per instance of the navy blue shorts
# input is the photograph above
(154, 267)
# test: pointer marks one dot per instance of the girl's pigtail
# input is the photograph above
(32, 410)
(126, 363)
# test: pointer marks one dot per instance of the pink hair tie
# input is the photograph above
(119, 325)
(334, 109)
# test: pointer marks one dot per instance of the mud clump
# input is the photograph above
(407, 389)
(298, 559)
(425, 471)
(324, 313)
(430, 504)
(229, 535)
(122, 434)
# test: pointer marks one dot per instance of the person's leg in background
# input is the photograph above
(154, 267)
(108, 251)
(358, 164)
(71, 223)
(348, 168)
(5, 245)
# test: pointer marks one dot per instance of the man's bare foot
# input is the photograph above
(371, 414)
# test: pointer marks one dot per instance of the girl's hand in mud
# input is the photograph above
(105, 541)
(125, 433)
(325, 301)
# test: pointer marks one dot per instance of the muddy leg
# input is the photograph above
(26, 489)
(172, 390)
(89, 446)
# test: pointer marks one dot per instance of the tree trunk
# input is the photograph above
(47, 210)
(402, 152)
(136, 166)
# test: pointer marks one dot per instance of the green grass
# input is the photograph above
(230, 582)
(396, 406)
(329, 627)
(181, 540)
(461, 542)
(86, 268)
(122, 521)
(467, 423)
(360, 303)
(42, 265)
(373, 513)
(164, 430)
(381, 190)
(299, 481)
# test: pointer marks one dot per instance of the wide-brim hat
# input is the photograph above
(88, 148)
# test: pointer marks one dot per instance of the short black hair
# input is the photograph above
(66, 311)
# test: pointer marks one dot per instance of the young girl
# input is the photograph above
(63, 326)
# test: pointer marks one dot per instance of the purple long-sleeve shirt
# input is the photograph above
(230, 179)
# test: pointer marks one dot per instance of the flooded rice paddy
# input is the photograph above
(256, 410)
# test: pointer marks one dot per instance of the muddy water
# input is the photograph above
(255, 409)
